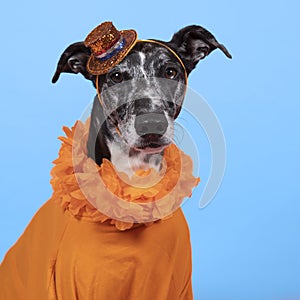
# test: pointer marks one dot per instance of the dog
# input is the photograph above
(67, 255)
(146, 106)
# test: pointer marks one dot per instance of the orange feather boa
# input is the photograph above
(106, 195)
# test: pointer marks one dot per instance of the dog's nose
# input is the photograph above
(151, 123)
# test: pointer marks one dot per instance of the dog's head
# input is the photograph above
(139, 99)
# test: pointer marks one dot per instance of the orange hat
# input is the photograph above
(109, 47)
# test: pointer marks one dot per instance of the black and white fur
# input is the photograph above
(142, 96)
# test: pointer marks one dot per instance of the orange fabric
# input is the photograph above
(71, 251)
(63, 257)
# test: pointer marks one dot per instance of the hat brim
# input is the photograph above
(97, 67)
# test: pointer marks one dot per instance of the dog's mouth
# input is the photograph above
(151, 148)
(152, 145)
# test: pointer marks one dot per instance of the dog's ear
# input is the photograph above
(74, 60)
(193, 43)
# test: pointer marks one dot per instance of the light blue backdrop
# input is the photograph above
(246, 242)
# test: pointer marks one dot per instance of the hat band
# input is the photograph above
(117, 47)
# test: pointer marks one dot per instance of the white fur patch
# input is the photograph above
(123, 162)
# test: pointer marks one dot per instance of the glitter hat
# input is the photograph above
(108, 46)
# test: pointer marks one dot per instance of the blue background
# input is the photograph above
(246, 242)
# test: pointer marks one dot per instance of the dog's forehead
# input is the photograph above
(152, 49)
(145, 53)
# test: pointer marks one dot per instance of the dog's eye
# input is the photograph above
(170, 73)
(116, 77)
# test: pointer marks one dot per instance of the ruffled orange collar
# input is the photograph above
(106, 195)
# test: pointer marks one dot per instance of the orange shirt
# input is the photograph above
(60, 256)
